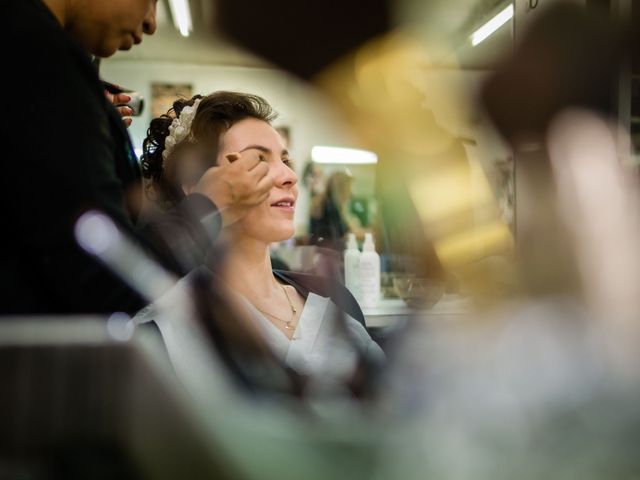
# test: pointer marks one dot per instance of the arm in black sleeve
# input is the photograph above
(184, 235)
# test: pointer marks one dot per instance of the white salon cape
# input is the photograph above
(319, 345)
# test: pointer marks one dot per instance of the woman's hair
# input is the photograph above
(216, 113)
(308, 173)
(337, 191)
(339, 186)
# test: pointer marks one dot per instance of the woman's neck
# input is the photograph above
(248, 268)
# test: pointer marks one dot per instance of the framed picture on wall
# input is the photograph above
(164, 94)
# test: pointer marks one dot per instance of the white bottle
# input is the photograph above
(369, 274)
(352, 265)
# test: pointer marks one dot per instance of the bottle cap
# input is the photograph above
(351, 241)
(369, 245)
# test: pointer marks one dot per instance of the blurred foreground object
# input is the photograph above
(545, 385)
(80, 399)
(438, 206)
(568, 56)
(599, 203)
(303, 37)
(555, 102)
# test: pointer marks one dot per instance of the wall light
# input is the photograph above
(181, 16)
(343, 155)
(492, 25)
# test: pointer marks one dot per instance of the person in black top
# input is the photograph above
(331, 219)
(65, 150)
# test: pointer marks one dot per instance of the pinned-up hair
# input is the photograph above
(214, 115)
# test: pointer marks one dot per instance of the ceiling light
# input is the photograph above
(181, 16)
(343, 155)
(492, 25)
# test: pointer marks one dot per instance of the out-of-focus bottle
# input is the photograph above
(352, 265)
(369, 274)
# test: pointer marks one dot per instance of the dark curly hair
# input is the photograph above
(216, 113)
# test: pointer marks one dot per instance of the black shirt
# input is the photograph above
(64, 151)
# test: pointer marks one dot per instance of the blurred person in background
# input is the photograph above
(295, 312)
(314, 180)
(82, 159)
(331, 216)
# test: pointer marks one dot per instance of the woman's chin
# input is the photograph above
(264, 237)
(282, 236)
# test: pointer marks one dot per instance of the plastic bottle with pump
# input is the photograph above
(369, 274)
(352, 265)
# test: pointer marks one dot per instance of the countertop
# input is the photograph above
(392, 312)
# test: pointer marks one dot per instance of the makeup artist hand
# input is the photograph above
(237, 184)
(119, 101)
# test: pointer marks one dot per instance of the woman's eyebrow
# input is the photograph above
(256, 147)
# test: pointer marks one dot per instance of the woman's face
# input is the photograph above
(271, 221)
(104, 27)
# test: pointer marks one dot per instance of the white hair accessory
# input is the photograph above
(179, 128)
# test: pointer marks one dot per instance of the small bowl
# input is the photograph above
(418, 292)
